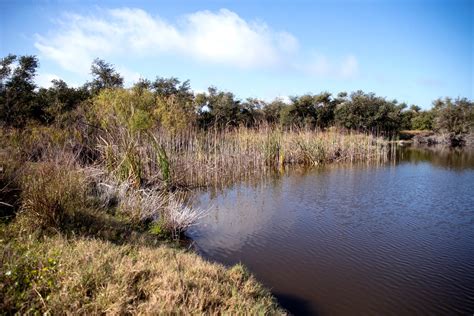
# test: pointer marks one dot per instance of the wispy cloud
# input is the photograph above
(44, 79)
(221, 37)
(321, 66)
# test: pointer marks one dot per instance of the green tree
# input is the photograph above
(272, 111)
(369, 113)
(165, 87)
(113, 109)
(454, 117)
(17, 90)
(217, 108)
(423, 120)
(174, 104)
(309, 111)
(104, 76)
(407, 115)
(251, 112)
(59, 100)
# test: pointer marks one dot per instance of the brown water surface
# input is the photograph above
(395, 239)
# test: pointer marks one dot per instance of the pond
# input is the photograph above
(363, 239)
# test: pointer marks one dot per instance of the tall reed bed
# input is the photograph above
(205, 158)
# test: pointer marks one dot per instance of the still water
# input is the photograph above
(390, 239)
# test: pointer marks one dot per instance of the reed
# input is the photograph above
(205, 158)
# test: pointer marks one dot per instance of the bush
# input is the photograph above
(175, 113)
(113, 109)
(369, 113)
(423, 120)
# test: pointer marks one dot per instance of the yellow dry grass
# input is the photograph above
(92, 276)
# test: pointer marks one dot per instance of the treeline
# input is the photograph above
(172, 104)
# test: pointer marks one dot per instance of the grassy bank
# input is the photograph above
(81, 275)
(69, 246)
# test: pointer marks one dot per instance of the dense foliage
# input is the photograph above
(172, 104)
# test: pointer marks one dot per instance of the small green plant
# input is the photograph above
(27, 279)
(158, 228)
(163, 161)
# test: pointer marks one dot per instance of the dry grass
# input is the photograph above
(51, 193)
(89, 276)
(167, 212)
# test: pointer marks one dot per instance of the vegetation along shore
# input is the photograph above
(93, 182)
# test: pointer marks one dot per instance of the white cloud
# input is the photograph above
(43, 80)
(221, 37)
(217, 37)
(130, 77)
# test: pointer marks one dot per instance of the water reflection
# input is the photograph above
(360, 239)
(440, 156)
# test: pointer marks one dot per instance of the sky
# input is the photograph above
(413, 51)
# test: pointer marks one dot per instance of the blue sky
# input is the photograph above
(414, 51)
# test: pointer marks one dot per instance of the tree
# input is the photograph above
(217, 108)
(174, 104)
(165, 87)
(309, 111)
(114, 109)
(369, 113)
(454, 117)
(59, 100)
(17, 90)
(272, 111)
(407, 115)
(251, 112)
(142, 85)
(423, 120)
(104, 76)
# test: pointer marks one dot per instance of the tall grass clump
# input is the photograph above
(51, 195)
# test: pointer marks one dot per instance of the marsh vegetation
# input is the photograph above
(93, 182)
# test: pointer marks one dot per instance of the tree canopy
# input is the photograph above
(172, 104)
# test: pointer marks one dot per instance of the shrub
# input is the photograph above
(175, 113)
(423, 120)
(118, 108)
